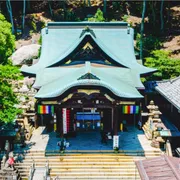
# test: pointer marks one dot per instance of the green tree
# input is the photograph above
(98, 17)
(7, 40)
(167, 67)
(150, 43)
(8, 99)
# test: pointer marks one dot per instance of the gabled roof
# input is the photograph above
(61, 39)
(170, 89)
(55, 81)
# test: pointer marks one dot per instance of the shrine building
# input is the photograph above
(87, 77)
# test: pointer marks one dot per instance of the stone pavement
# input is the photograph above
(133, 139)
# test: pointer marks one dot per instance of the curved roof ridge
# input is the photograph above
(44, 91)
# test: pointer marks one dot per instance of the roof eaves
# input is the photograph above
(89, 82)
(164, 95)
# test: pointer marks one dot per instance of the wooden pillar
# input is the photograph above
(59, 121)
(36, 121)
(115, 121)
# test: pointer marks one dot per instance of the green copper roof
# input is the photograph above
(61, 40)
(120, 81)
(114, 40)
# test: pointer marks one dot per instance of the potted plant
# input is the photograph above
(116, 149)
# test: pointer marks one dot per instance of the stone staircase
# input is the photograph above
(87, 165)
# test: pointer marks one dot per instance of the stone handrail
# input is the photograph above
(31, 171)
(168, 148)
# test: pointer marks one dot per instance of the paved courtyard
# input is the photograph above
(133, 139)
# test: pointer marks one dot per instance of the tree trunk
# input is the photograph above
(89, 3)
(23, 15)
(64, 8)
(84, 3)
(0, 6)
(105, 8)
(168, 18)
(8, 5)
(142, 30)
(28, 5)
(50, 8)
(161, 15)
(153, 13)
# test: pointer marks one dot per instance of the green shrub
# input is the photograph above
(167, 67)
(98, 17)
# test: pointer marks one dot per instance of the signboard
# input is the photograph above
(144, 114)
(127, 102)
(115, 141)
(49, 102)
(66, 120)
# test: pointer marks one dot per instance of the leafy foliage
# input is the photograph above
(40, 43)
(150, 43)
(7, 40)
(125, 18)
(98, 17)
(8, 99)
(167, 67)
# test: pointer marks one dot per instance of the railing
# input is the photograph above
(168, 148)
(47, 171)
(31, 172)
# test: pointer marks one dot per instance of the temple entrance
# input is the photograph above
(89, 119)
(83, 128)
(91, 116)
(75, 120)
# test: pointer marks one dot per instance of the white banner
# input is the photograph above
(115, 142)
(64, 117)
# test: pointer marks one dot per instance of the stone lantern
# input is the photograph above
(156, 114)
(151, 106)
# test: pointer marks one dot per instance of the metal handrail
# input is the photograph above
(31, 171)
(47, 169)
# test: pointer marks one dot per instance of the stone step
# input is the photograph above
(87, 166)
(89, 171)
(85, 157)
(86, 152)
(58, 170)
(93, 177)
(79, 160)
(93, 173)
(52, 166)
